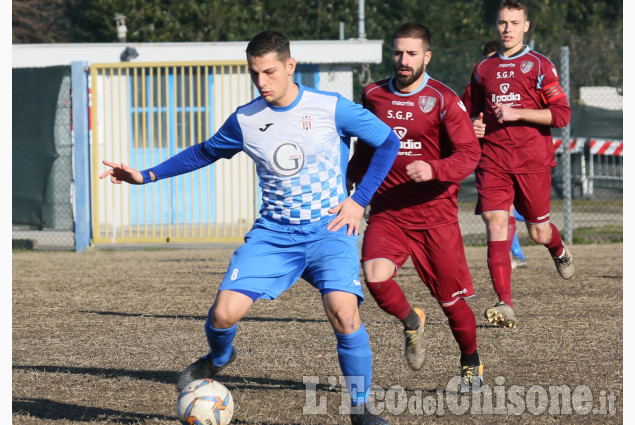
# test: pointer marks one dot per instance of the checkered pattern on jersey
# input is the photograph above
(306, 197)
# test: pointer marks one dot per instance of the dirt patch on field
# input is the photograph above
(100, 338)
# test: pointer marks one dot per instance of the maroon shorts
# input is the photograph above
(437, 255)
(529, 193)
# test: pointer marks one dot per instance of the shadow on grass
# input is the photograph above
(54, 410)
(170, 377)
(198, 317)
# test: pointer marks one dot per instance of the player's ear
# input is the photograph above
(290, 66)
(426, 57)
(526, 26)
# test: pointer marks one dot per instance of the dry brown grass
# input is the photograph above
(100, 338)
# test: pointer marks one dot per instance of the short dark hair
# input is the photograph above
(514, 4)
(413, 30)
(490, 47)
(269, 41)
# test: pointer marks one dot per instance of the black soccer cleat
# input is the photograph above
(203, 368)
(471, 379)
(360, 415)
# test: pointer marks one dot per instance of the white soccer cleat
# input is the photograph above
(564, 263)
(501, 315)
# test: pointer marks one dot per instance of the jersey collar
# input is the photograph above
(394, 89)
(293, 104)
(516, 55)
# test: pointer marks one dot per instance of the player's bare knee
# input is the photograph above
(540, 239)
(378, 270)
(222, 318)
(540, 235)
(344, 319)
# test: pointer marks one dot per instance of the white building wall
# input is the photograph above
(304, 51)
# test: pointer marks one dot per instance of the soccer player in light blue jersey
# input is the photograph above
(308, 227)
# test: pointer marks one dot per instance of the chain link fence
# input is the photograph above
(56, 231)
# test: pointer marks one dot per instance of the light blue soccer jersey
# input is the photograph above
(301, 151)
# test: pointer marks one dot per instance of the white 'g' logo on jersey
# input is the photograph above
(286, 158)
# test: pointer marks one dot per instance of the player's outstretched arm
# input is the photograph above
(348, 213)
(120, 173)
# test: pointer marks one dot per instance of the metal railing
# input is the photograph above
(142, 114)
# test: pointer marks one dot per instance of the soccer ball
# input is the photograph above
(205, 402)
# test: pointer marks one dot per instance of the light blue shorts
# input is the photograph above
(274, 256)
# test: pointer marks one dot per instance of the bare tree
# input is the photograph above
(38, 21)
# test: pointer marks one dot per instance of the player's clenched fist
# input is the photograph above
(419, 171)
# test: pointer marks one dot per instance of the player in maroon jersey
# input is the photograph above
(517, 257)
(516, 98)
(414, 213)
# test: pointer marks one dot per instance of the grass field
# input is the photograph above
(100, 337)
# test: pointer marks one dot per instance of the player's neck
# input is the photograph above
(513, 51)
(410, 87)
(289, 97)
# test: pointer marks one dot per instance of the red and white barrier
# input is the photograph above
(596, 146)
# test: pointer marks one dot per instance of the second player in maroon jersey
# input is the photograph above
(516, 99)
(414, 211)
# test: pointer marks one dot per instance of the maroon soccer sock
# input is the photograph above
(390, 298)
(511, 231)
(463, 325)
(555, 244)
(500, 270)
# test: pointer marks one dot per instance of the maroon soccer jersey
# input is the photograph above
(528, 80)
(433, 127)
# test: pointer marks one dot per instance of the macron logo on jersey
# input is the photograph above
(403, 103)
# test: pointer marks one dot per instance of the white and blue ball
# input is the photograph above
(205, 402)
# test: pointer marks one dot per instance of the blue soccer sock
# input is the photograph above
(220, 342)
(356, 363)
(516, 250)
